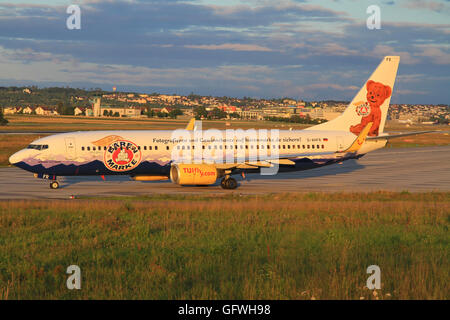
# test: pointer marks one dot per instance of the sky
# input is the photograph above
(310, 50)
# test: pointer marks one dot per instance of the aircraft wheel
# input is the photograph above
(222, 183)
(54, 185)
(229, 183)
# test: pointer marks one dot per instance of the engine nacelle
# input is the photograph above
(193, 174)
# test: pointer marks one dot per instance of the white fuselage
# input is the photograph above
(87, 152)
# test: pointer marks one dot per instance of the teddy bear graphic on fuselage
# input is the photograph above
(377, 93)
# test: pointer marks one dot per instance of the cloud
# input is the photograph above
(226, 49)
(435, 53)
(407, 92)
(230, 46)
(427, 5)
(385, 50)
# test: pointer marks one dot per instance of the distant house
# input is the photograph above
(251, 114)
(46, 111)
(79, 111)
(133, 112)
(26, 90)
(227, 108)
(28, 110)
(11, 110)
(166, 110)
(141, 101)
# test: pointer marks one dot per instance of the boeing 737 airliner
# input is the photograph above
(148, 155)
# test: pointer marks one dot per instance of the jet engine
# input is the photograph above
(193, 174)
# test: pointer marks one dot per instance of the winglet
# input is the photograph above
(360, 139)
(191, 124)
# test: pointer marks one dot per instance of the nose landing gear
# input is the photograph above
(54, 185)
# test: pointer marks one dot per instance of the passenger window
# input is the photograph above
(156, 147)
(149, 147)
(82, 148)
(167, 147)
(88, 148)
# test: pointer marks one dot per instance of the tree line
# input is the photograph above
(3, 121)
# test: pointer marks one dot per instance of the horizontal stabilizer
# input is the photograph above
(392, 136)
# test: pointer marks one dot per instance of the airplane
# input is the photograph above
(148, 155)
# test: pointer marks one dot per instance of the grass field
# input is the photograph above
(292, 246)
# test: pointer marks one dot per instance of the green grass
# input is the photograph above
(292, 246)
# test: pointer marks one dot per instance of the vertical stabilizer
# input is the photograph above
(370, 104)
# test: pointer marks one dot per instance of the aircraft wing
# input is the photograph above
(392, 136)
(269, 160)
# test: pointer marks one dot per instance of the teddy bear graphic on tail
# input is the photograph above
(377, 93)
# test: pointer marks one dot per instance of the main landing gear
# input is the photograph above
(54, 185)
(228, 183)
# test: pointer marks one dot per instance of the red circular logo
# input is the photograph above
(363, 109)
(122, 155)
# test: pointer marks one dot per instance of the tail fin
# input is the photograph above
(370, 104)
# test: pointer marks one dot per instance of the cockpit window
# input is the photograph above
(38, 146)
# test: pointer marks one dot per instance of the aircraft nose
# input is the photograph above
(16, 157)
